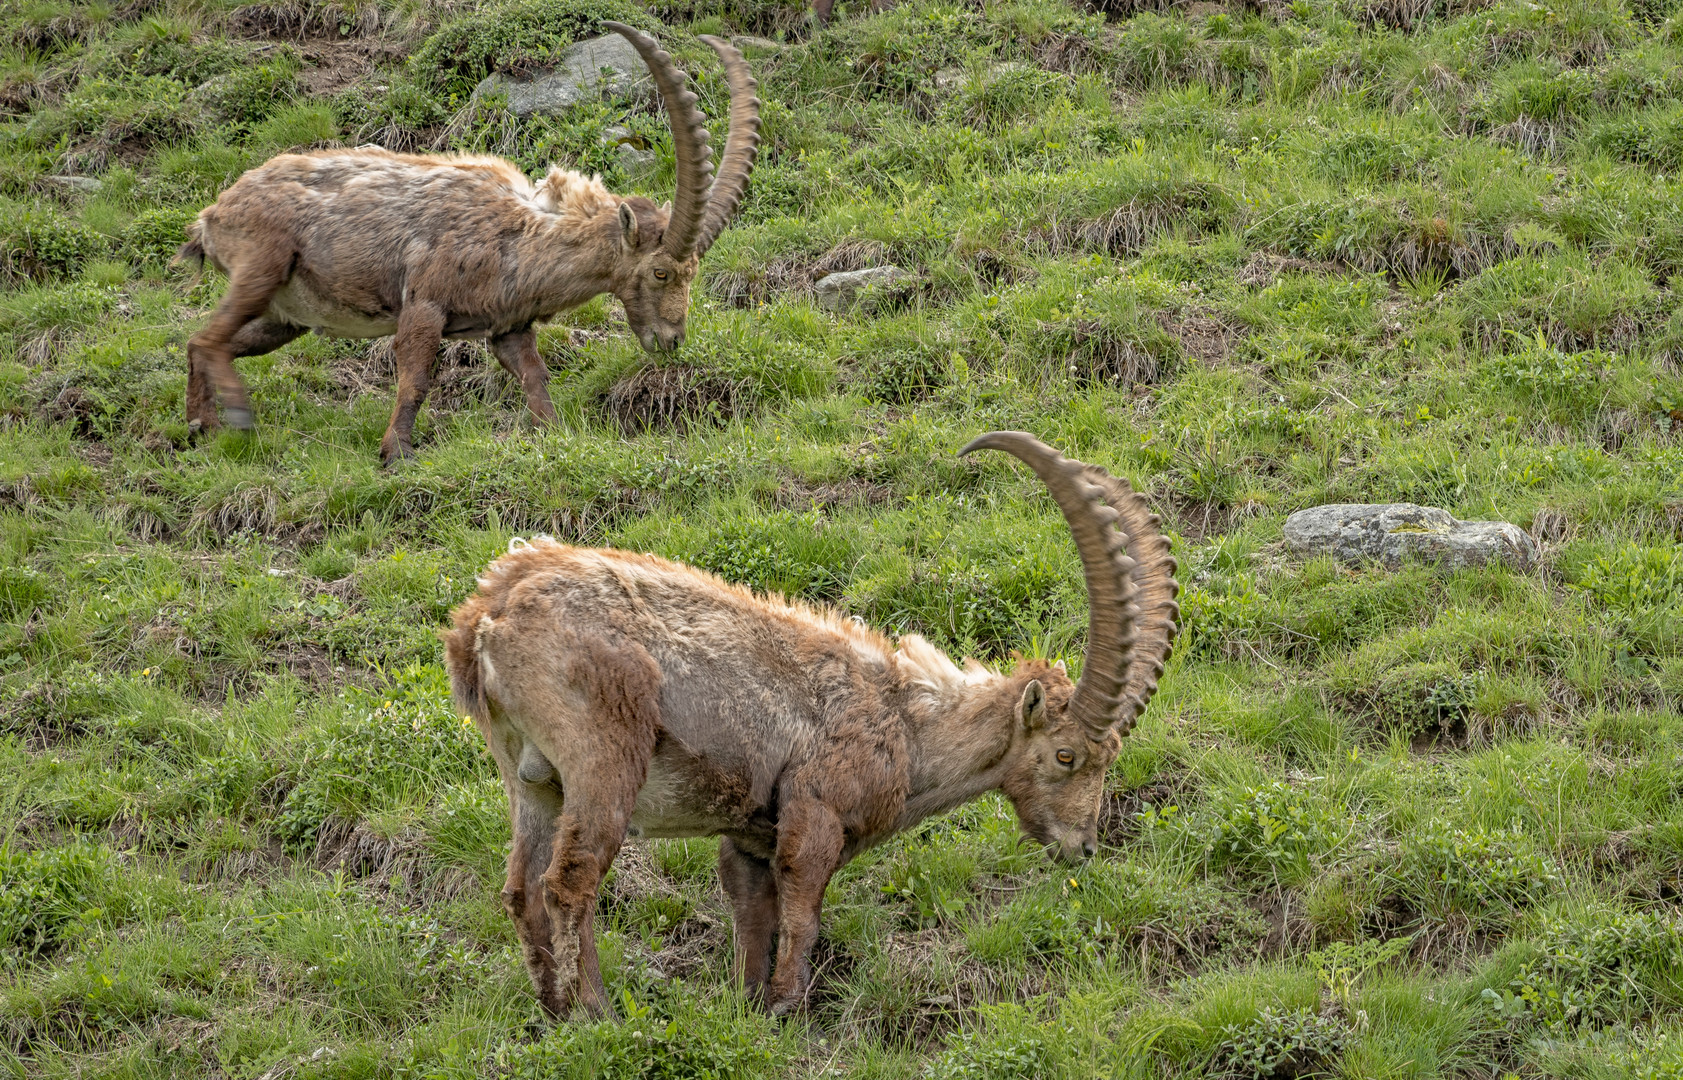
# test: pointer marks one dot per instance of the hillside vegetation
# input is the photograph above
(1254, 257)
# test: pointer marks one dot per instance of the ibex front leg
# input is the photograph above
(518, 354)
(809, 846)
(420, 328)
(752, 889)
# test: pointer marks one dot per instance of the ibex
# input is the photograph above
(365, 243)
(625, 695)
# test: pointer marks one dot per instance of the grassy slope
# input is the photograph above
(1254, 260)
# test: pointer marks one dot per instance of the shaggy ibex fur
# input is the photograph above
(622, 694)
(366, 243)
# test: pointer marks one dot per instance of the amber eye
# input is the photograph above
(660, 275)
(1065, 758)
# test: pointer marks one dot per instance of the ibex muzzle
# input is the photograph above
(622, 694)
(368, 243)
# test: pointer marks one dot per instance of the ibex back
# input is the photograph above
(622, 694)
(366, 243)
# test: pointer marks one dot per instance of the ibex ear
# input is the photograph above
(1062, 670)
(1032, 707)
(627, 226)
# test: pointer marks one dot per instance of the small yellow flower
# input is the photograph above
(145, 672)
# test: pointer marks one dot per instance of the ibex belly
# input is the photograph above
(300, 305)
(683, 796)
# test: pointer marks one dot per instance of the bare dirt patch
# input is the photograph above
(797, 494)
(1203, 336)
(1198, 519)
(1265, 268)
(1120, 810)
(335, 65)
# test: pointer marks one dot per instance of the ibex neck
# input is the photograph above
(569, 262)
(958, 740)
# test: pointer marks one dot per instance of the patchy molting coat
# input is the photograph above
(366, 242)
(680, 705)
(622, 694)
(497, 251)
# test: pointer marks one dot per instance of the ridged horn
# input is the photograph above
(689, 143)
(1158, 618)
(741, 145)
(1132, 614)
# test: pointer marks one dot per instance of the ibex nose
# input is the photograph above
(1071, 850)
(673, 340)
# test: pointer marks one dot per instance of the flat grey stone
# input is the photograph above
(1388, 533)
(841, 291)
(633, 151)
(75, 183)
(955, 77)
(602, 67)
(747, 43)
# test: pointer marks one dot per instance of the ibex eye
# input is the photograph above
(660, 275)
(1065, 758)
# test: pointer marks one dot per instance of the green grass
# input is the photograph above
(1376, 824)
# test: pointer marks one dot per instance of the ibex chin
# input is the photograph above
(365, 243)
(624, 695)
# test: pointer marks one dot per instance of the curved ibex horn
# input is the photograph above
(689, 143)
(1132, 614)
(741, 145)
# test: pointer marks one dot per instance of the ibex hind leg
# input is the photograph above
(602, 767)
(588, 836)
(752, 889)
(537, 807)
(210, 352)
(260, 335)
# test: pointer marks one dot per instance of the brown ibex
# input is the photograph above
(622, 694)
(365, 243)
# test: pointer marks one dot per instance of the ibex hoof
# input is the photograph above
(239, 418)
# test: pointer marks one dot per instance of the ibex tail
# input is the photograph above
(462, 648)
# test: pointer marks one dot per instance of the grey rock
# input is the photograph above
(1390, 532)
(949, 77)
(844, 290)
(634, 152)
(748, 43)
(603, 67)
(88, 184)
(955, 77)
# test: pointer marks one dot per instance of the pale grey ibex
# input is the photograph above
(622, 694)
(365, 243)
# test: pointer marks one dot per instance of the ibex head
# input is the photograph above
(662, 246)
(1067, 734)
